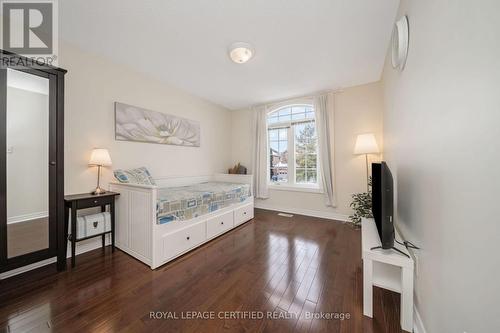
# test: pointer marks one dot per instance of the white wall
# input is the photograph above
(442, 143)
(93, 84)
(28, 159)
(357, 110)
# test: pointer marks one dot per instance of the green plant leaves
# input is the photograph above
(362, 205)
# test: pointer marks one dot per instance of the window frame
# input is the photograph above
(291, 184)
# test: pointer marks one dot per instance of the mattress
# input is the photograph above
(187, 202)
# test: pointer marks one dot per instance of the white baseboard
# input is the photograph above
(27, 217)
(418, 324)
(92, 244)
(307, 212)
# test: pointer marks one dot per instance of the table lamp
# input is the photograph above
(99, 157)
(366, 144)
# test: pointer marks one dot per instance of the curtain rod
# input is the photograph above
(334, 91)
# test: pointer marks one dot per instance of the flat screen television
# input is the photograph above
(383, 203)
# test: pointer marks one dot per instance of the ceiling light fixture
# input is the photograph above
(241, 52)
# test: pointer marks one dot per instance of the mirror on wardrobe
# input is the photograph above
(27, 168)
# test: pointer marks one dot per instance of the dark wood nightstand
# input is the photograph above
(86, 200)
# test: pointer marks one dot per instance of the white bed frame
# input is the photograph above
(138, 234)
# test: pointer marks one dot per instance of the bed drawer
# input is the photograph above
(183, 240)
(243, 214)
(219, 224)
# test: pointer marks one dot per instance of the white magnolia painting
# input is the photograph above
(136, 124)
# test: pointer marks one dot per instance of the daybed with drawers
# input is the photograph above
(158, 223)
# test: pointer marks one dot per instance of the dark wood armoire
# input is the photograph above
(32, 165)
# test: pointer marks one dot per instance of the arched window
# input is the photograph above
(293, 146)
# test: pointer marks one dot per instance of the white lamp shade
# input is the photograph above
(100, 156)
(366, 144)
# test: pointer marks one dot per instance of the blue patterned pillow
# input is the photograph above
(134, 176)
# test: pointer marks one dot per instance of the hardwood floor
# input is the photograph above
(270, 266)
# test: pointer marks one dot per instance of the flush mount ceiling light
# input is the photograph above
(241, 52)
(400, 37)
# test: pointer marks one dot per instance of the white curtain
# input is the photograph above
(324, 109)
(259, 157)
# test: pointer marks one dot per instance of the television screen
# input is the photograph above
(383, 203)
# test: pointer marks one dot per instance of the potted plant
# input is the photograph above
(362, 205)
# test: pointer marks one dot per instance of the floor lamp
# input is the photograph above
(366, 144)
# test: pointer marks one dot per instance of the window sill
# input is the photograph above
(295, 188)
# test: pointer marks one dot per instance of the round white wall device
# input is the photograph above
(400, 40)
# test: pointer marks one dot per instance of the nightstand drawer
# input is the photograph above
(93, 202)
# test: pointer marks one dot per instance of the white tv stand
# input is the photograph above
(386, 269)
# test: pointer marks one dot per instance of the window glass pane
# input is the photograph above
(312, 127)
(283, 134)
(273, 134)
(298, 116)
(305, 132)
(278, 155)
(300, 175)
(274, 145)
(287, 117)
(305, 145)
(311, 161)
(311, 176)
(311, 146)
(284, 112)
(272, 120)
(283, 147)
(298, 109)
(299, 129)
(305, 153)
(300, 160)
(278, 172)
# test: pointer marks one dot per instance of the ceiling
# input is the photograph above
(301, 46)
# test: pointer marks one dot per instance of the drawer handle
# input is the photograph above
(244, 213)
(96, 201)
(222, 223)
(187, 237)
